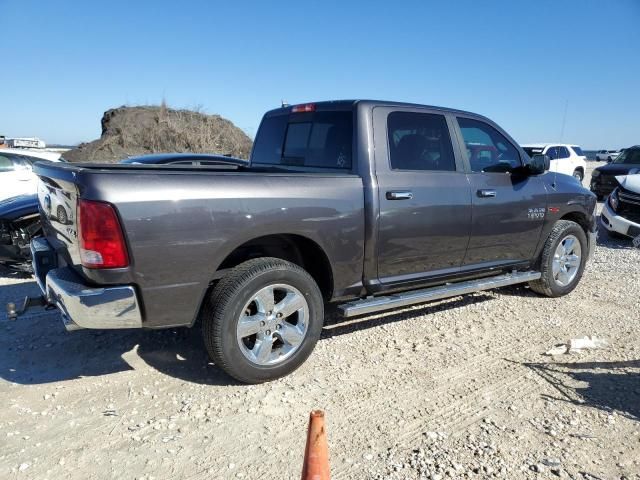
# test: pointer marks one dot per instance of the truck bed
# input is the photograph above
(181, 223)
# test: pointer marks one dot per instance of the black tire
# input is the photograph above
(608, 159)
(223, 309)
(61, 215)
(578, 175)
(547, 285)
(599, 197)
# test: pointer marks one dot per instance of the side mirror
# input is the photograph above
(539, 164)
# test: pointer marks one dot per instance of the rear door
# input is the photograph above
(508, 210)
(553, 152)
(566, 161)
(423, 193)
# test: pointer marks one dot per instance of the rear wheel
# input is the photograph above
(61, 214)
(578, 175)
(562, 260)
(263, 320)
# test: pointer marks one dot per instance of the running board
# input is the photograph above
(387, 302)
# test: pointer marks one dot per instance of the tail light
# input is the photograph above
(306, 107)
(101, 240)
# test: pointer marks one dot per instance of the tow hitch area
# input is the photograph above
(13, 311)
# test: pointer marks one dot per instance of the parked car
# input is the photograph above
(371, 205)
(194, 159)
(16, 175)
(607, 155)
(19, 223)
(603, 179)
(565, 158)
(621, 212)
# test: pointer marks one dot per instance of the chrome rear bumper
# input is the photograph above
(83, 306)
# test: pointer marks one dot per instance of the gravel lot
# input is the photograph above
(453, 389)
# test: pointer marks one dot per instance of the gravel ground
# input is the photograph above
(453, 389)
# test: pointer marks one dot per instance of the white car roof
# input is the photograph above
(543, 145)
(25, 152)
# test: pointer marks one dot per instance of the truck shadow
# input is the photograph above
(607, 386)
(37, 349)
(335, 324)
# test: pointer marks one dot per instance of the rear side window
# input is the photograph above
(563, 152)
(419, 141)
(487, 149)
(311, 139)
(578, 151)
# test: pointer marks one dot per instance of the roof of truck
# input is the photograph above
(345, 103)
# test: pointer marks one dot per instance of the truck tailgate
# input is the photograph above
(57, 198)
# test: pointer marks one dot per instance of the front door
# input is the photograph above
(423, 193)
(508, 208)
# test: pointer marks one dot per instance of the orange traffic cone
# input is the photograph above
(316, 454)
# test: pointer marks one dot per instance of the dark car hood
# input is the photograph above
(16, 207)
(617, 168)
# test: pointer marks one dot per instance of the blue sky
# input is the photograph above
(517, 62)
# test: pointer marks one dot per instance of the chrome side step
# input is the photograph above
(404, 299)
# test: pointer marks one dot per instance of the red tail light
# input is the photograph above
(307, 107)
(101, 240)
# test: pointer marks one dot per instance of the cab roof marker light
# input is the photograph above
(305, 107)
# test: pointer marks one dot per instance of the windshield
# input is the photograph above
(629, 157)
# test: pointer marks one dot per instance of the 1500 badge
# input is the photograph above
(536, 213)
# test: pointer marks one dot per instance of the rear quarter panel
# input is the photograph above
(181, 226)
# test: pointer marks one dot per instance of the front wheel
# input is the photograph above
(263, 320)
(562, 261)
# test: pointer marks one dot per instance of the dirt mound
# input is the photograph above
(128, 131)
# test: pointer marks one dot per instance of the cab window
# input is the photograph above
(419, 141)
(487, 149)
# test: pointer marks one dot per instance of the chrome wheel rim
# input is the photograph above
(273, 324)
(566, 260)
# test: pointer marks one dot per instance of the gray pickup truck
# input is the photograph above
(366, 204)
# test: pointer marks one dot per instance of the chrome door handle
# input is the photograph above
(486, 193)
(405, 195)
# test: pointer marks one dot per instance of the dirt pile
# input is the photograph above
(128, 131)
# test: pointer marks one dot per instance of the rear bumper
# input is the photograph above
(83, 306)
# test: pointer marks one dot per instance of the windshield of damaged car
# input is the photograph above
(309, 139)
(631, 156)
